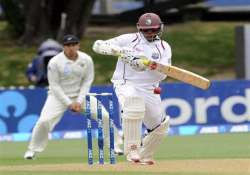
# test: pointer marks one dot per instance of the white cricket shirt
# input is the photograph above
(158, 51)
(69, 79)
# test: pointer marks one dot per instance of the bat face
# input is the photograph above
(178, 74)
(184, 76)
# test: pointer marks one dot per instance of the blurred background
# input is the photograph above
(208, 37)
(201, 32)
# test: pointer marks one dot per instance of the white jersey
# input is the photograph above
(158, 51)
(70, 79)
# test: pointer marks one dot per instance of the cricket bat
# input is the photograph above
(169, 70)
(180, 74)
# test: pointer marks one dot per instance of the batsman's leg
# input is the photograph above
(151, 142)
(133, 113)
(50, 116)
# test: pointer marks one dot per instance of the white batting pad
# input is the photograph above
(151, 141)
(133, 113)
(133, 107)
(131, 133)
(106, 48)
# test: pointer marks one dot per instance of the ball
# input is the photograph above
(157, 90)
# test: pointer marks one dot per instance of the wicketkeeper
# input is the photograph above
(137, 86)
(70, 75)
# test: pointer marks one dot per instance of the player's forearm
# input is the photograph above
(85, 85)
(84, 90)
(59, 94)
(106, 48)
(55, 87)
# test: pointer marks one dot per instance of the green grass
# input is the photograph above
(173, 147)
(200, 44)
(194, 44)
(223, 146)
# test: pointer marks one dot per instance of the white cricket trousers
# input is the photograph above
(52, 113)
(154, 113)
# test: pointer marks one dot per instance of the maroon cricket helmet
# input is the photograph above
(150, 23)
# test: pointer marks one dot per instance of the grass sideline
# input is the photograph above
(194, 44)
(174, 148)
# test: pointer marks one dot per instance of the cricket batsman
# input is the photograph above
(137, 86)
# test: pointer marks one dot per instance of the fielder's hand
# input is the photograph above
(75, 107)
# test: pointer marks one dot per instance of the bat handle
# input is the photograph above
(151, 64)
(146, 62)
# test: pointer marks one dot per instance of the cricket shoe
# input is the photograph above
(146, 162)
(118, 151)
(119, 146)
(133, 155)
(29, 155)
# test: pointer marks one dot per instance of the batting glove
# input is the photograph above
(136, 63)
